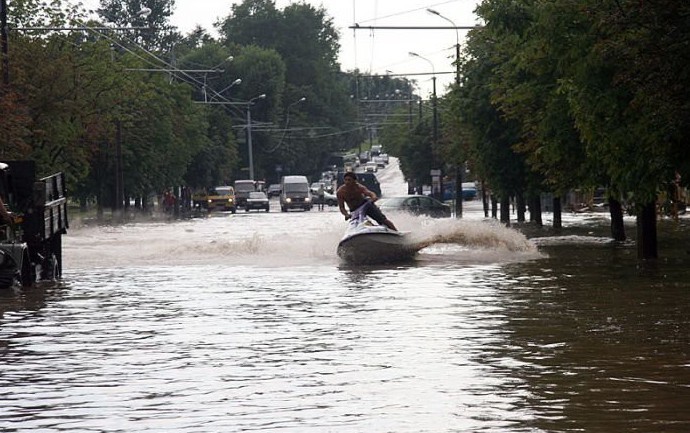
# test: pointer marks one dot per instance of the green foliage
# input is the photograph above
(155, 31)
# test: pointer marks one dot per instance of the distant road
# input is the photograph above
(391, 179)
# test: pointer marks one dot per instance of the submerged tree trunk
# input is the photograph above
(505, 210)
(557, 213)
(617, 227)
(535, 210)
(520, 205)
(646, 232)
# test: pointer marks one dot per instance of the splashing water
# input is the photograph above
(279, 239)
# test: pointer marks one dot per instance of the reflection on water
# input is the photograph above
(249, 322)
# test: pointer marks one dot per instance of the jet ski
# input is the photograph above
(365, 242)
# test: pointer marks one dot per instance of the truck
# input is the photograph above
(242, 189)
(295, 193)
(31, 243)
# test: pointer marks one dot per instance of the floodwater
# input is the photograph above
(248, 322)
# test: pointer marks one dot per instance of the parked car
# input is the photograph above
(273, 190)
(257, 200)
(469, 191)
(328, 199)
(415, 204)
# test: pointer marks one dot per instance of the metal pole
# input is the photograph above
(249, 141)
(460, 166)
(119, 178)
(4, 44)
(249, 134)
(433, 80)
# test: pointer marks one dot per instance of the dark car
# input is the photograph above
(414, 204)
(258, 201)
(367, 179)
(274, 190)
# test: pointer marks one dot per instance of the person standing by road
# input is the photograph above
(354, 194)
(321, 196)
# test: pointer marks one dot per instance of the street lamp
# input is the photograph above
(457, 44)
(227, 59)
(433, 78)
(249, 133)
(216, 70)
(220, 92)
(435, 126)
(287, 123)
(459, 167)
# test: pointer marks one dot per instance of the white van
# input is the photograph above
(295, 193)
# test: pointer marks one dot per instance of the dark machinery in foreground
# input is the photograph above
(31, 245)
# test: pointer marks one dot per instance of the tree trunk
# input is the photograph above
(505, 210)
(535, 210)
(617, 227)
(646, 232)
(494, 207)
(485, 201)
(557, 213)
(520, 204)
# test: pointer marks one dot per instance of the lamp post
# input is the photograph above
(215, 69)
(433, 79)
(220, 92)
(249, 134)
(457, 44)
(460, 166)
(435, 126)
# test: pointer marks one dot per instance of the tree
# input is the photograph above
(128, 13)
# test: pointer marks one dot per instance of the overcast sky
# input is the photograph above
(376, 51)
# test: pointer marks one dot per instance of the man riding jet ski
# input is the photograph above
(354, 194)
(364, 242)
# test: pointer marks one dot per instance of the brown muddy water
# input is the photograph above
(248, 322)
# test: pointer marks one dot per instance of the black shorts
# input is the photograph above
(375, 213)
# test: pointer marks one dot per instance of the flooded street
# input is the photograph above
(249, 322)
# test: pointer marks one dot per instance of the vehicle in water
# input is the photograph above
(415, 204)
(365, 242)
(242, 189)
(257, 200)
(367, 179)
(217, 198)
(295, 193)
(273, 190)
(31, 245)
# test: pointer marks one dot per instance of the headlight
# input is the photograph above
(288, 200)
(307, 199)
(209, 200)
(229, 200)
